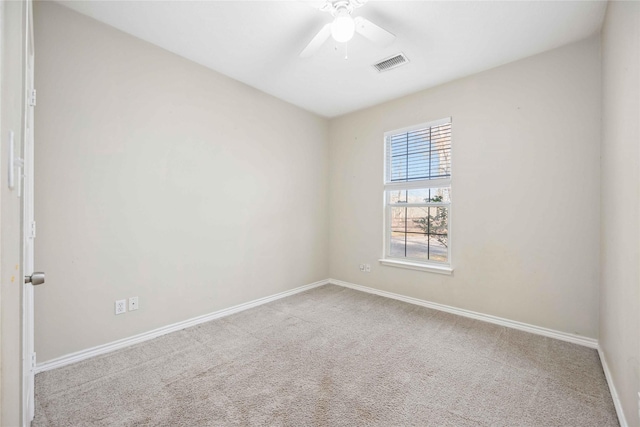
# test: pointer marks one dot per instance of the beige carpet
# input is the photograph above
(333, 357)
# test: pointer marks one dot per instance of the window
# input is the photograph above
(417, 196)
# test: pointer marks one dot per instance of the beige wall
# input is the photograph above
(159, 178)
(10, 280)
(525, 190)
(620, 255)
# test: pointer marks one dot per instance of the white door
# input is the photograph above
(28, 227)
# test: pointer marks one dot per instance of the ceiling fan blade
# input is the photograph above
(374, 33)
(316, 42)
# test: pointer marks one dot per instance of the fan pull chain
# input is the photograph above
(346, 51)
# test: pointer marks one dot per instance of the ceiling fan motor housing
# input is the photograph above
(334, 7)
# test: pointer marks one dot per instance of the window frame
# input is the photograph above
(389, 186)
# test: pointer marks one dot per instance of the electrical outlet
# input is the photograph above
(639, 404)
(361, 267)
(133, 303)
(367, 268)
(121, 306)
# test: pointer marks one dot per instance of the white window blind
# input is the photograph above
(419, 154)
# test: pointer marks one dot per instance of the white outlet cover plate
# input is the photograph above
(121, 306)
(133, 303)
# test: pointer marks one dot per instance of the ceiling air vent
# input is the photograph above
(392, 62)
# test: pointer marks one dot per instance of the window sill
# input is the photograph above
(417, 266)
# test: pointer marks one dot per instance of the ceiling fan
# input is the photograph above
(344, 26)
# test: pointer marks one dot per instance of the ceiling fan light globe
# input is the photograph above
(343, 28)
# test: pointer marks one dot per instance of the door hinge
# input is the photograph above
(32, 98)
(33, 360)
(33, 229)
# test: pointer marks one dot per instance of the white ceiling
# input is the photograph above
(258, 42)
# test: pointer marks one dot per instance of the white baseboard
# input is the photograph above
(612, 389)
(125, 342)
(145, 336)
(563, 336)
